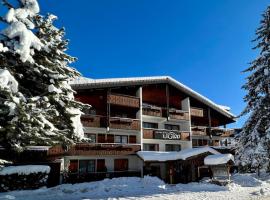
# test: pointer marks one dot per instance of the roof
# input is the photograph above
(87, 83)
(162, 156)
(218, 159)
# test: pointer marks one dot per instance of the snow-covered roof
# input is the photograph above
(162, 156)
(25, 169)
(218, 159)
(85, 83)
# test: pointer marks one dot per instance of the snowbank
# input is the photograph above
(218, 159)
(150, 188)
(181, 155)
(25, 169)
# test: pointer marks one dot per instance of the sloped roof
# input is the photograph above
(162, 156)
(87, 83)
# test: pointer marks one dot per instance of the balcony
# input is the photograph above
(152, 110)
(178, 114)
(205, 131)
(94, 121)
(98, 121)
(125, 123)
(103, 149)
(166, 134)
(124, 100)
(87, 149)
(199, 131)
(196, 112)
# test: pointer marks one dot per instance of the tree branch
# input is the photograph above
(6, 3)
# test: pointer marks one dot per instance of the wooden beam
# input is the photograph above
(209, 122)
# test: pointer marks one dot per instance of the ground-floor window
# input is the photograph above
(150, 147)
(87, 166)
(172, 147)
(73, 166)
(101, 167)
(123, 139)
(121, 165)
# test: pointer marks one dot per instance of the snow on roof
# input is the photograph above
(225, 107)
(218, 159)
(84, 83)
(162, 156)
(25, 169)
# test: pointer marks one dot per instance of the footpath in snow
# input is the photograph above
(244, 186)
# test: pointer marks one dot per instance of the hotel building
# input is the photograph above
(131, 115)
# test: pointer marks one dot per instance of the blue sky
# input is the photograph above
(203, 44)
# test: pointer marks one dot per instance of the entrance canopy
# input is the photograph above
(218, 159)
(162, 156)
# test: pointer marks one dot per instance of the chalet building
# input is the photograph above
(130, 116)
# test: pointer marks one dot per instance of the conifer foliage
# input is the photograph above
(37, 105)
(254, 141)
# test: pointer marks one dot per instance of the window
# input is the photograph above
(121, 165)
(194, 142)
(132, 139)
(110, 138)
(150, 147)
(123, 139)
(87, 166)
(73, 166)
(92, 137)
(101, 165)
(172, 127)
(101, 138)
(150, 125)
(172, 147)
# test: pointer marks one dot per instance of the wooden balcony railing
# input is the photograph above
(94, 121)
(204, 131)
(124, 100)
(152, 110)
(196, 112)
(199, 131)
(125, 123)
(179, 114)
(150, 134)
(115, 122)
(87, 149)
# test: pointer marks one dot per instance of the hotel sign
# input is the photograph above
(167, 135)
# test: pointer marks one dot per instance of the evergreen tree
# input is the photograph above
(254, 141)
(37, 105)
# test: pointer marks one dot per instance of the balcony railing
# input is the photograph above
(97, 121)
(125, 123)
(196, 112)
(94, 121)
(124, 100)
(168, 134)
(88, 149)
(178, 114)
(152, 110)
(199, 131)
(204, 131)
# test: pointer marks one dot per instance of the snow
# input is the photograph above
(20, 26)
(2, 48)
(24, 169)
(52, 88)
(76, 122)
(162, 156)
(218, 159)
(8, 81)
(27, 40)
(243, 187)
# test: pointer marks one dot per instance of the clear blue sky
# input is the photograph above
(203, 44)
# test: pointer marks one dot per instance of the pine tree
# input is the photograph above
(37, 105)
(254, 142)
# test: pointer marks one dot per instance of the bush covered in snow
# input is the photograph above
(23, 177)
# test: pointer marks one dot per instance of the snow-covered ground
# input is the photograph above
(244, 187)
